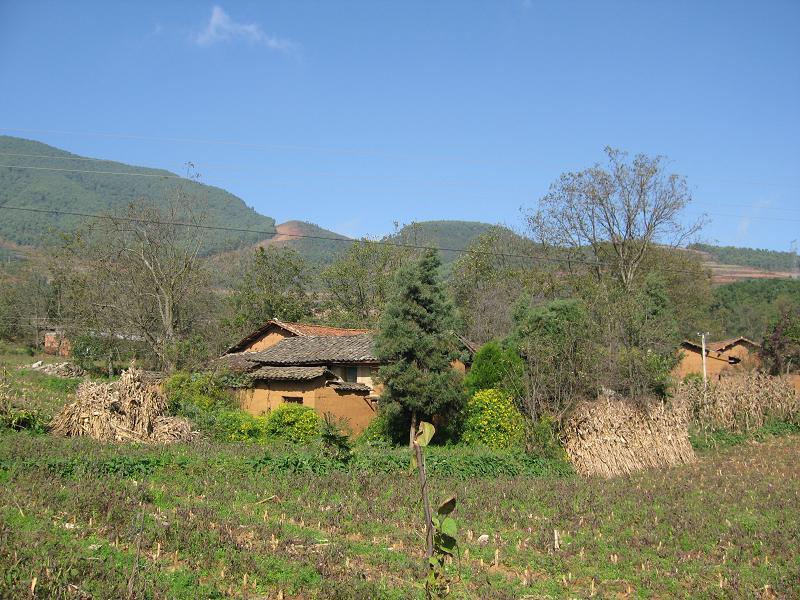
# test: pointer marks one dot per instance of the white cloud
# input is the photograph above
(221, 28)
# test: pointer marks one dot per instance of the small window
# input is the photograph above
(351, 374)
(293, 399)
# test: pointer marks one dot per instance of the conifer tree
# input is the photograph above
(415, 340)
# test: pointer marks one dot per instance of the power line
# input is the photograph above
(321, 237)
(93, 172)
(257, 146)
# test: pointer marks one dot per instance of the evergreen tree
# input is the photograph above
(415, 339)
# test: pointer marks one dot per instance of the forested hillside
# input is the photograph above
(749, 307)
(769, 260)
(38, 186)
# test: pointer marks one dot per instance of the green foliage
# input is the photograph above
(458, 462)
(359, 283)
(492, 419)
(495, 367)
(292, 423)
(770, 260)
(335, 438)
(379, 431)
(16, 418)
(445, 546)
(414, 341)
(273, 287)
(187, 392)
(87, 350)
(750, 307)
(541, 439)
(239, 426)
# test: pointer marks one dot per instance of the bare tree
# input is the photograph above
(139, 275)
(611, 215)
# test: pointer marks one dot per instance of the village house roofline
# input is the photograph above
(721, 345)
(318, 350)
(297, 329)
(273, 373)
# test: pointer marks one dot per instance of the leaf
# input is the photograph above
(449, 527)
(435, 521)
(413, 462)
(425, 433)
(448, 506)
(446, 543)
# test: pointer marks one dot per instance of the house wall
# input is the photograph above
(269, 339)
(56, 344)
(265, 396)
(716, 362)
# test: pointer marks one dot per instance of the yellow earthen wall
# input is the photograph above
(266, 396)
(716, 362)
(268, 340)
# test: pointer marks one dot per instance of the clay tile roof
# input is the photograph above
(725, 344)
(289, 373)
(721, 345)
(350, 386)
(298, 329)
(318, 350)
(239, 362)
(307, 329)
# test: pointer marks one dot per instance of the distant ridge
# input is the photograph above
(102, 193)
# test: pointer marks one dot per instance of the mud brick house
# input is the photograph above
(329, 369)
(56, 343)
(723, 356)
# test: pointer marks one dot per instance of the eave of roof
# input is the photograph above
(273, 373)
(297, 329)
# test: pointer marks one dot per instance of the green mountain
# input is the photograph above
(441, 234)
(50, 181)
(769, 260)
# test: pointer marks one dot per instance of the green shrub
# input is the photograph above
(441, 461)
(378, 433)
(494, 367)
(492, 420)
(192, 391)
(21, 419)
(541, 439)
(293, 423)
(239, 426)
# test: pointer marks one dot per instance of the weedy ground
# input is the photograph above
(81, 519)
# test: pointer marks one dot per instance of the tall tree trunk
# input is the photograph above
(413, 428)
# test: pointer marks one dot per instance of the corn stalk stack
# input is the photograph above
(124, 410)
(614, 436)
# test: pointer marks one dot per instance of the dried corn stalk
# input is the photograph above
(613, 436)
(124, 410)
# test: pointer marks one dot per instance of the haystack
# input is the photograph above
(124, 410)
(743, 402)
(614, 436)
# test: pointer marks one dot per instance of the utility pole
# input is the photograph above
(705, 373)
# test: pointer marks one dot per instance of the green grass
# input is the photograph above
(212, 519)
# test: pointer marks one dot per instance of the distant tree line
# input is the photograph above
(769, 260)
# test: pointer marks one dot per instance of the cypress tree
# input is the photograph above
(415, 341)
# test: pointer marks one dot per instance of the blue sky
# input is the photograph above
(354, 115)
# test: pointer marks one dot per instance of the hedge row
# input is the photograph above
(456, 462)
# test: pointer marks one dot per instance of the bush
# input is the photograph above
(541, 439)
(494, 367)
(292, 423)
(239, 426)
(189, 392)
(492, 420)
(458, 463)
(378, 433)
